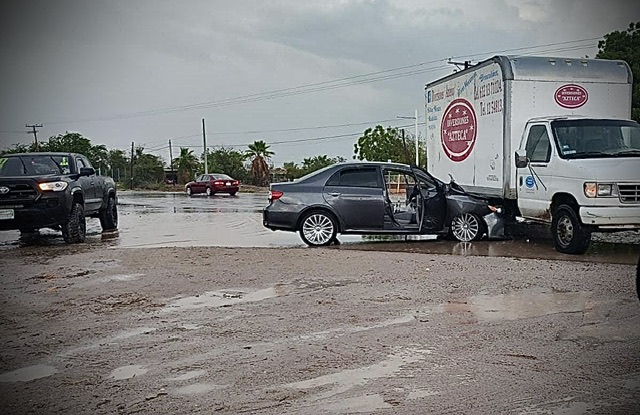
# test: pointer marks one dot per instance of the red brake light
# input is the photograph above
(275, 194)
(218, 183)
(235, 182)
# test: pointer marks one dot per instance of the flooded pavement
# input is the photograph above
(157, 219)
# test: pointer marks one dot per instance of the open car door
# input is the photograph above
(430, 201)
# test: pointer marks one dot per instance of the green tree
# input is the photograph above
(228, 161)
(625, 45)
(312, 164)
(187, 164)
(20, 148)
(119, 165)
(259, 153)
(292, 170)
(69, 142)
(148, 169)
(380, 144)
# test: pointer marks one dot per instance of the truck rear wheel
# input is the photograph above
(569, 235)
(109, 215)
(75, 229)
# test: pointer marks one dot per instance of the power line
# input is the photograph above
(383, 75)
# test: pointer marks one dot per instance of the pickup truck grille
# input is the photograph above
(629, 193)
(17, 193)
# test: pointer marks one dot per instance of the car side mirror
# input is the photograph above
(522, 161)
(87, 171)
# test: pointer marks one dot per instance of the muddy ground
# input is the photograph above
(88, 330)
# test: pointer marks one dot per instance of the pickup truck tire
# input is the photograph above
(75, 228)
(109, 215)
(569, 235)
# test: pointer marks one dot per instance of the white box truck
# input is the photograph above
(549, 138)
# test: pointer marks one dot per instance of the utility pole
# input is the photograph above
(132, 165)
(415, 118)
(204, 141)
(35, 133)
(173, 178)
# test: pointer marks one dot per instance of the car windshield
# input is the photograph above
(578, 139)
(28, 165)
(221, 177)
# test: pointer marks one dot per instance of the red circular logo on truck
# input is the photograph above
(571, 96)
(458, 129)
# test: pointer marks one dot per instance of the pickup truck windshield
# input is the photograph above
(36, 165)
(578, 139)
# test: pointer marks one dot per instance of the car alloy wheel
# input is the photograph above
(188, 191)
(466, 227)
(318, 229)
(208, 191)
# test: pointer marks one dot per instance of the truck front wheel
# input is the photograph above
(75, 228)
(569, 235)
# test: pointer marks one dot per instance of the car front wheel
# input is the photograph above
(318, 229)
(188, 191)
(467, 227)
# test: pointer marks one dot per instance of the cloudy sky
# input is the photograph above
(307, 77)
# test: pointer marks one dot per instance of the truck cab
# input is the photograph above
(582, 175)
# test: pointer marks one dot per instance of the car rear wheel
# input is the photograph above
(209, 192)
(467, 227)
(318, 228)
(188, 191)
(232, 193)
(75, 228)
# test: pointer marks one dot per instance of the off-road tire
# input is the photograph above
(74, 230)
(569, 235)
(109, 215)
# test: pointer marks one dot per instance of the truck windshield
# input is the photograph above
(30, 165)
(577, 139)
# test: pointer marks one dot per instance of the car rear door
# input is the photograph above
(355, 193)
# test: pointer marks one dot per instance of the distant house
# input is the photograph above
(277, 174)
(170, 176)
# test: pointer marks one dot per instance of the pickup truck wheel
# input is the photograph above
(109, 215)
(75, 228)
(569, 235)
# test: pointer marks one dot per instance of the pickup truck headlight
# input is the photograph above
(600, 190)
(53, 186)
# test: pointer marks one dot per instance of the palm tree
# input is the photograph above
(187, 164)
(259, 153)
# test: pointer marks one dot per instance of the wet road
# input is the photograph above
(148, 220)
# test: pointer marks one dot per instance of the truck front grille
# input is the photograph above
(18, 193)
(629, 193)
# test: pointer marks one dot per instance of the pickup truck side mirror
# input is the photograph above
(87, 171)
(521, 160)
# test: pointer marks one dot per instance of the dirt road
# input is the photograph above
(314, 331)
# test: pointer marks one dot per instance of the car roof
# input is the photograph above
(41, 153)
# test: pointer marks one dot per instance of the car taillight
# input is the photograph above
(275, 194)
(235, 182)
(218, 183)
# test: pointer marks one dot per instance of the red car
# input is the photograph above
(212, 184)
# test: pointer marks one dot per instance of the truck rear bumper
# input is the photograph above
(620, 217)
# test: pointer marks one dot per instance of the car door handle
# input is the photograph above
(334, 194)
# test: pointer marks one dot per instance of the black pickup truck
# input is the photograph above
(54, 190)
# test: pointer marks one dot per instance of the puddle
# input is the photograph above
(28, 373)
(123, 277)
(222, 298)
(358, 404)
(190, 326)
(127, 372)
(341, 331)
(534, 302)
(189, 375)
(110, 340)
(198, 388)
(561, 407)
(421, 393)
(341, 382)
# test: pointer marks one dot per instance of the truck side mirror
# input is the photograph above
(521, 161)
(87, 171)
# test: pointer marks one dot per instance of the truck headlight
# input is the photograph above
(53, 186)
(600, 189)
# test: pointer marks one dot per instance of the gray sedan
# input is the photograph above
(377, 198)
